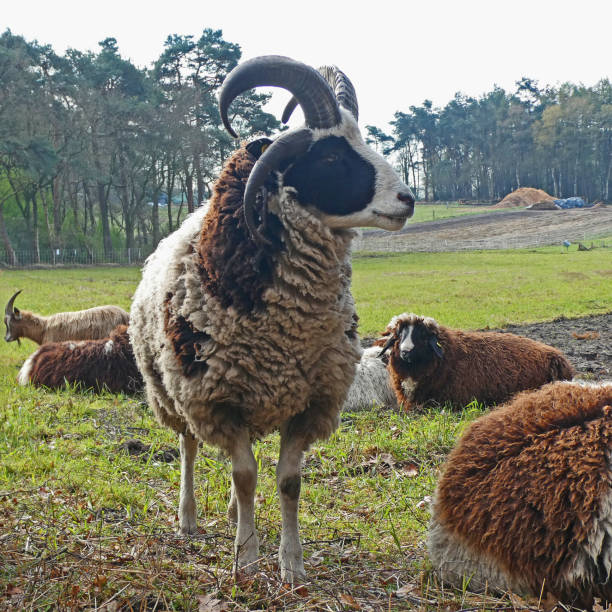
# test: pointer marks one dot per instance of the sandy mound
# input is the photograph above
(525, 196)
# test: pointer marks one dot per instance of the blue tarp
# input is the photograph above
(572, 203)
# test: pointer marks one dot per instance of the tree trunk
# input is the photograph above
(189, 189)
(35, 236)
(6, 241)
(57, 209)
(106, 235)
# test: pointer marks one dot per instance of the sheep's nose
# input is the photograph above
(406, 197)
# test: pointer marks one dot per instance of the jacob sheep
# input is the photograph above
(87, 324)
(243, 322)
(107, 363)
(432, 363)
(525, 499)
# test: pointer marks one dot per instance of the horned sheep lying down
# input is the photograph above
(525, 499)
(432, 363)
(243, 322)
(90, 324)
(104, 364)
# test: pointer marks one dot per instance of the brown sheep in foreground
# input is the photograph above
(432, 363)
(525, 499)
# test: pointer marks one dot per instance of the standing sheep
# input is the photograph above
(525, 499)
(87, 324)
(102, 364)
(243, 322)
(430, 362)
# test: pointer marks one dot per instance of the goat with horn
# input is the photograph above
(243, 322)
(90, 324)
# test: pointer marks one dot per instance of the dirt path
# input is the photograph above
(499, 230)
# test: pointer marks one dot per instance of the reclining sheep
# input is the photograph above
(524, 503)
(243, 322)
(87, 324)
(372, 384)
(105, 364)
(432, 363)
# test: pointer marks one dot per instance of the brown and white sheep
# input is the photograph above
(243, 322)
(87, 324)
(525, 499)
(104, 364)
(432, 363)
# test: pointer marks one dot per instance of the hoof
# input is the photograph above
(293, 575)
(187, 527)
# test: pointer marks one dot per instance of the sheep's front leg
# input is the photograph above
(187, 503)
(244, 478)
(288, 482)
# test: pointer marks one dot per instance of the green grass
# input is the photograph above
(435, 212)
(84, 524)
(473, 290)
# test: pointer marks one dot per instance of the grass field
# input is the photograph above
(435, 212)
(89, 484)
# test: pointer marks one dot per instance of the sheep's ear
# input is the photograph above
(257, 147)
(17, 313)
(390, 342)
(435, 345)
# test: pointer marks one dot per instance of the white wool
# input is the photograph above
(371, 386)
(23, 378)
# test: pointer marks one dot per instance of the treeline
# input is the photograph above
(557, 139)
(98, 153)
(95, 151)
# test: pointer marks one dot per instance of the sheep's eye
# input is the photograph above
(331, 158)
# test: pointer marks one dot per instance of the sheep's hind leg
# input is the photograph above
(187, 503)
(244, 478)
(288, 482)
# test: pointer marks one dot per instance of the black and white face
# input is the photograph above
(418, 345)
(348, 183)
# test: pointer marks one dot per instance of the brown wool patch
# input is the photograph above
(185, 340)
(232, 267)
(525, 482)
(88, 364)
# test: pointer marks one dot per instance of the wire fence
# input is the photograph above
(418, 244)
(68, 257)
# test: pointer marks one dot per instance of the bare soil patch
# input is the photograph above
(586, 341)
(493, 230)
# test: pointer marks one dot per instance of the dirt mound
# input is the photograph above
(524, 196)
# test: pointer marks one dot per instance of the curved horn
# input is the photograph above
(343, 90)
(310, 89)
(9, 306)
(389, 343)
(290, 144)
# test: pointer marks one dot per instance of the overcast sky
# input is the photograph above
(397, 53)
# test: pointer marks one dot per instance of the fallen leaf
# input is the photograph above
(350, 601)
(208, 603)
(11, 589)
